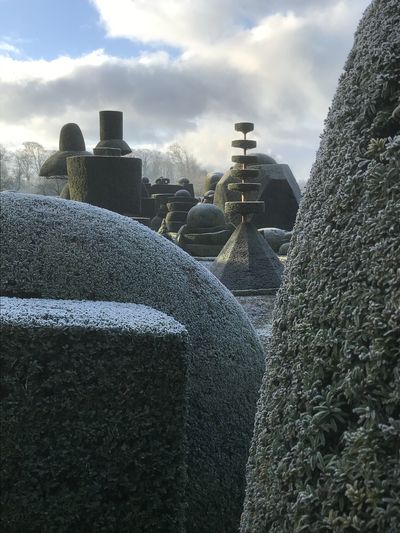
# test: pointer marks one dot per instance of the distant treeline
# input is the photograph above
(19, 169)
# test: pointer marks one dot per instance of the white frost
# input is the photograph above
(92, 315)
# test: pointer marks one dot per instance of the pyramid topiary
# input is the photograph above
(325, 453)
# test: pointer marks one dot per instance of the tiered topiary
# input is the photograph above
(246, 262)
(278, 190)
(205, 232)
(178, 207)
(326, 450)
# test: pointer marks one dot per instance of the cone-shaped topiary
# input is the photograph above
(325, 453)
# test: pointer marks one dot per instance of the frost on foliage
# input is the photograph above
(93, 417)
(58, 249)
(39, 312)
(325, 453)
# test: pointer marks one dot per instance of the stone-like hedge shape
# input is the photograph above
(110, 182)
(53, 248)
(325, 454)
(93, 417)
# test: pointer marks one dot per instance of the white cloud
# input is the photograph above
(27, 70)
(182, 23)
(275, 63)
(8, 48)
(199, 23)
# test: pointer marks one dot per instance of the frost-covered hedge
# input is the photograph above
(54, 248)
(93, 417)
(325, 454)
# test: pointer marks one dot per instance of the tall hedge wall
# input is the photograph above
(325, 453)
(93, 418)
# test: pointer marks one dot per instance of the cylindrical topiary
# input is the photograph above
(110, 182)
(325, 453)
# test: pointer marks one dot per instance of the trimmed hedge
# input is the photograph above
(106, 181)
(325, 453)
(93, 417)
(54, 248)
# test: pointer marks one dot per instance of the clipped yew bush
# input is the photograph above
(93, 417)
(62, 249)
(325, 453)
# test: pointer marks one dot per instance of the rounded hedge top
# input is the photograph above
(183, 193)
(264, 159)
(205, 216)
(325, 453)
(53, 248)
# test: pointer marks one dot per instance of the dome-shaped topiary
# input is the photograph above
(60, 249)
(325, 453)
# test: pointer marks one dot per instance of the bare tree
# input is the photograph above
(20, 169)
(6, 178)
(30, 158)
(177, 162)
(146, 156)
(154, 163)
(186, 165)
(27, 162)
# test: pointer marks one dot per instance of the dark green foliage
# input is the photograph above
(58, 249)
(326, 451)
(113, 183)
(92, 424)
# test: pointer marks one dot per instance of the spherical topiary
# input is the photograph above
(275, 237)
(183, 181)
(183, 193)
(53, 248)
(205, 216)
(209, 197)
(325, 453)
(211, 180)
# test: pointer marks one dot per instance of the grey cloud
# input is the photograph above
(161, 102)
(158, 101)
(257, 8)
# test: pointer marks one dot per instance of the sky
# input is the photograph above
(180, 70)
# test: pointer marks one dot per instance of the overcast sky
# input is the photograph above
(180, 70)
